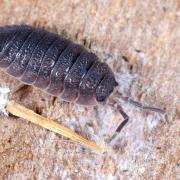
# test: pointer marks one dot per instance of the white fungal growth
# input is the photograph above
(126, 82)
(153, 121)
(4, 91)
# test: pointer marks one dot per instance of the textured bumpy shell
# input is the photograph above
(54, 64)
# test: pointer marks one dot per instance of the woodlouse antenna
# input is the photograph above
(125, 116)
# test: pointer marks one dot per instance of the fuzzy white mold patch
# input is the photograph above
(126, 82)
(153, 121)
(4, 91)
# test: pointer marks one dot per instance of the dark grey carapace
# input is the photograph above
(60, 67)
(54, 64)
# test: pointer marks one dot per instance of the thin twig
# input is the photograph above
(23, 112)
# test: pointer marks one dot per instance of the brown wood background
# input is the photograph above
(147, 34)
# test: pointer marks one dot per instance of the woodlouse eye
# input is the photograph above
(116, 83)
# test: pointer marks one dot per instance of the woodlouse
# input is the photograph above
(58, 66)
(54, 64)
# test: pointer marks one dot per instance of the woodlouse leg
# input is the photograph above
(19, 87)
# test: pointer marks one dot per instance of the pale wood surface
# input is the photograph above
(147, 34)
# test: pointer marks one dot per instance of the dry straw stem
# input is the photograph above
(21, 111)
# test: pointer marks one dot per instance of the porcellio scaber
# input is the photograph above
(57, 65)
(60, 67)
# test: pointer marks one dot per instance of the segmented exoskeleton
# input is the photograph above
(54, 64)
(58, 66)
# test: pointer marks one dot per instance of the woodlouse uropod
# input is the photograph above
(57, 65)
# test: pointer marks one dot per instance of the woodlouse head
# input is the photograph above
(105, 88)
